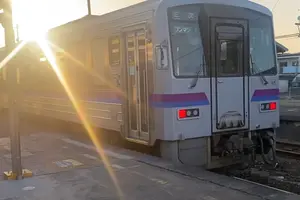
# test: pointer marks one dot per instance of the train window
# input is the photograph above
(89, 56)
(229, 50)
(114, 51)
(262, 47)
(100, 60)
(186, 49)
(4, 74)
(230, 57)
(142, 50)
(77, 53)
(186, 43)
(100, 53)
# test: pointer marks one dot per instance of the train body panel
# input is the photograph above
(218, 89)
(99, 114)
(196, 100)
(264, 100)
(193, 75)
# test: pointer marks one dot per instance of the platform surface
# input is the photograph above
(66, 168)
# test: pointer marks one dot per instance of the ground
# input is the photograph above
(66, 166)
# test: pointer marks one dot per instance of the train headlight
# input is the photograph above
(188, 113)
(268, 106)
(196, 112)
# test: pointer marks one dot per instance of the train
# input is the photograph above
(195, 78)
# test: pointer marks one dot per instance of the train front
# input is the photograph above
(222, 64)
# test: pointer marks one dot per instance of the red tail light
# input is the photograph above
(181, 114)
(267, 107)
(188, 113)
(273, 106)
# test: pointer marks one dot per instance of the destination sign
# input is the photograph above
(184, 29)
(184, 16)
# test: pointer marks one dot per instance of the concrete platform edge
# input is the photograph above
(222, 181)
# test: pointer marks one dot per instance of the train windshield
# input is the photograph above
(262, 46)
(187, 48)
(189, 37)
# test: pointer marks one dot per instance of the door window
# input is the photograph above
(229, 51)
(229, 59)
(132, 87)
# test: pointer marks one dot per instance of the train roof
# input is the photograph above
(81, 24)
(238, 3)
(91, 20)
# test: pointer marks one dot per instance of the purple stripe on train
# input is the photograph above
(103, 96)
(155, 100)
(265, 95)
(178, 100)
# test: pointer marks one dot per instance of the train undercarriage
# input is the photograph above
(243, 147)
(223, 149)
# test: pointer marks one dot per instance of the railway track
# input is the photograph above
(288, 148)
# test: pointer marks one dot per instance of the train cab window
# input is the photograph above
(262, 46)
(186, 42)
(114, 51)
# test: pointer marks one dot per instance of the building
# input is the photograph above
(289, 68)
(280, 48)
(289, 63)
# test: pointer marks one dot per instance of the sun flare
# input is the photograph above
(32, 20)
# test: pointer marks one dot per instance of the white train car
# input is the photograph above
(199, 77)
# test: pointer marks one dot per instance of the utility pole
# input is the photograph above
(294, 35)
(18, 35)
(12, 90)
(89, 7)
(298, 25)
(297, 71)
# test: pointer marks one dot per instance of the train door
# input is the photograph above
(229, 79)
(137, 86)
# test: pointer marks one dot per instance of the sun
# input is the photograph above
(35, 35)
(32, 19)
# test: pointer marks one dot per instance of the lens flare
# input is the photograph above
(81, 114)
(91, 72)
(12, 54)
(45, 47)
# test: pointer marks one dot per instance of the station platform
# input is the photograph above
(66, 168)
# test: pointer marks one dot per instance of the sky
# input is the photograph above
(285, 14)
(41, 15)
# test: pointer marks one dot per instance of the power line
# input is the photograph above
(288, 36)
(294, 35)
(275, 5)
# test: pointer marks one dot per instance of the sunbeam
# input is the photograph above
(12, 54)
(81, 114)
(88, 70)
